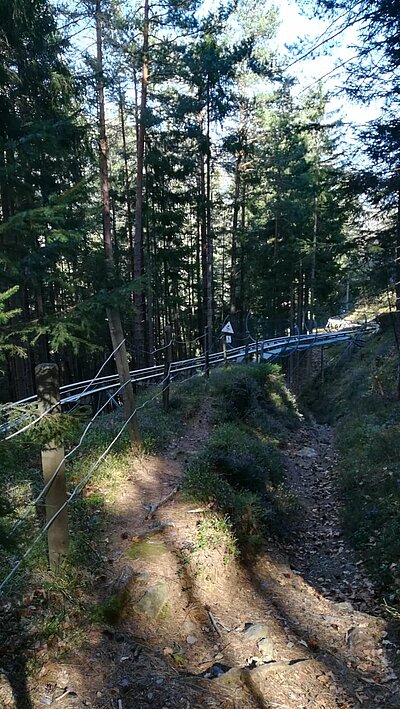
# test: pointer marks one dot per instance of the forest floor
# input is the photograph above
(298, 627)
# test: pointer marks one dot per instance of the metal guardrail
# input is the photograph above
(270, 349)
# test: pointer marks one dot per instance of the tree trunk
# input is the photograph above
(210, 255)
(236, 206)
(113, 314)
(138, 255)
(397, 288)
(129, 221)
(313, 261)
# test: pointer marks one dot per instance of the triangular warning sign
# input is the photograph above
(227, 329)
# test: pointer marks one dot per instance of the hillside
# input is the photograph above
(210, 570)
(359, 398)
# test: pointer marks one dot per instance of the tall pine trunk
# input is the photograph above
(235, 221)
(313, 261)
(113, 314)
(129, 220)
(210, 246)
(139, 324)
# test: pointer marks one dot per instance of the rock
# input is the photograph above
(256, 631)
(216, 670)
(120, 587)
(266, 647)
(124, 684)
(154, 600)
(188, 627)
(230, 678)
(307, 452)
(191, 639)
(345, 606)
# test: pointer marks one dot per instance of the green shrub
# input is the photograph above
(243, 458)
(256, 394)
(215, 531)
(244, 509)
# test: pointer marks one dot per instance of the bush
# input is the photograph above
(203, 484)
(255, 394)
(241, 455)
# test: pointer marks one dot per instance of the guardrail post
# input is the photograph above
(257, 351)
(48, 391)
(262, 351)
(167, 365)
(246, 353)
(206, 351)
(225, 351)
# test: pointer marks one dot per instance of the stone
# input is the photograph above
(231, 678)
(153, 600)
(256, 631)
(216, 670)
(188, 627)
(191, 639)
(307, 452)
(266, 647)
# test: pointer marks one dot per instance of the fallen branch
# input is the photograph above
(214, 623)
(154, 508)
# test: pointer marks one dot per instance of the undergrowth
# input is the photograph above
(67, 599)
(240, 470)
(359, 397)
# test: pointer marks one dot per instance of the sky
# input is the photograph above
(295, 26)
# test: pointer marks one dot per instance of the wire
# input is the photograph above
(58, 403)
(189, 342)
(32, 423)
(53, 477)
(100, 370)
(77, 488)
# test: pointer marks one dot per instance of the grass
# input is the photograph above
(71, 593)
(359, 398)
(216, 532)
(240, 471)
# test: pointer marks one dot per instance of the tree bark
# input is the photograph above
(113, 314)
(210, 255)
(313, 261)
(129, 220)
(138, 242)
(236, 206)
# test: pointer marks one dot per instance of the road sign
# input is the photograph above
(227, 329)
(228, 339)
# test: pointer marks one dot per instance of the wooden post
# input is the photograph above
(225, 351)
(167, 365)
(262, 351)
(48, 391)
(257, 351)
(206, 351)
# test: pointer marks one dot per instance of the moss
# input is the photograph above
(146, 550)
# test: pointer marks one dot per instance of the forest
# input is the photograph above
(159, 166)
(180, 527)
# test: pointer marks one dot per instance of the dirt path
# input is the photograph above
(319, 551)
(287, 631)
